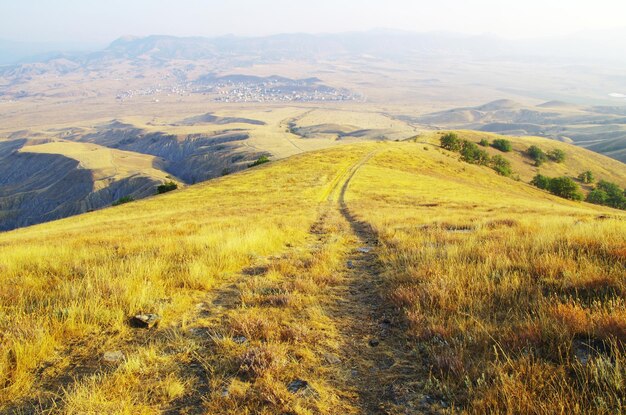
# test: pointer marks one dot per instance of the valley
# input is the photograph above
(378, 222)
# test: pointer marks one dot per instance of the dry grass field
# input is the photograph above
(513, 298)
(367, 278)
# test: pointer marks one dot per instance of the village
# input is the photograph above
(248, 90)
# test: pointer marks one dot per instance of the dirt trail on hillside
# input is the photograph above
(377, 352)
(377, 362)
(376, 369)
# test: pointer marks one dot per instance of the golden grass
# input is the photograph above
(513, 297)
(577, 159)
(68, 287)
(502, 285)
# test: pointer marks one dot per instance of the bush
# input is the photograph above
(451, 141)
(566, 188)
(122, 200)
(536, 154)
(541, 181)
(502, 145)
(501, 165)
(559, 186)
(484, 142)
(472, 154)
(597, 197)
(166, 187)
(557, 155)
(586, 177)
(260, 160)
(610, 194)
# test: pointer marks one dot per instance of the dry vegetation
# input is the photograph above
(69, 287)
(515, 300)
(511, 299)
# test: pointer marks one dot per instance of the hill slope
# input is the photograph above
(600, 128)
(282, 289)
(47, 179)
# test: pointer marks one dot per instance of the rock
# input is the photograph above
(199, 332)
(588, 349)
(364, 249)
(332, 359)
(301, 387)
(374, 342)
(385, 362)
(145, 321)
(350, 265)
(240, 339)
(386, 324)
(113, 357)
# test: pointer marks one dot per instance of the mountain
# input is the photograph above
(281, 289)
(16, 52)
(389, 44)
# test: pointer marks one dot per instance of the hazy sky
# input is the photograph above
(105, 20)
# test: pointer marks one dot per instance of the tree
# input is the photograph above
(501, 165)
(541, 181)
(502, 145)
(484, 142)
(586, 177)
(472, 154)
(566, 188)
(598, 197)
(450, 141)
(557, 155)
(615, 195)
(536, 154)
(260, 160)
(122, 200)
(166, 187)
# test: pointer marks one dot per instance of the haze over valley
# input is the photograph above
(342, 208)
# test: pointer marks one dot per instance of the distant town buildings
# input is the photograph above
(249, 89)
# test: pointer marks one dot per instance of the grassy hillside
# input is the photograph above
(366, 278)
(600, 128)
(106, 164)
(576, 161)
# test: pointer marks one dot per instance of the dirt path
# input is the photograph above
(377, 362)
(377, 352)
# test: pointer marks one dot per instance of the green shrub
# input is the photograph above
(614, 194)
(502, 145)
(260, 160)
(586, 177)
(472, 154)
(565, 188)
(484, 142)
(541, 181)
(536, 154)
(557, 155)
(559, 186)
(501, 165)
(451, 141)
(598, 197)
(166, 187)
(122, 200)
